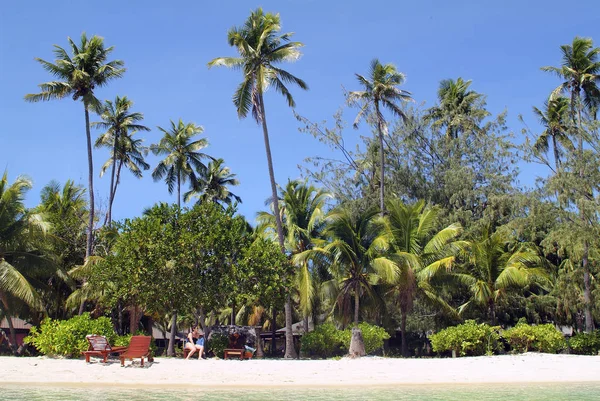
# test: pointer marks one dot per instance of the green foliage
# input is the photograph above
(217, 343)
(67, 337)
(585, 343)
(469, 338)
(326, 341)
(542, 338)
(123, 341)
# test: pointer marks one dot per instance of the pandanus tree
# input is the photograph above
(554, 118)
(78, 75)
(21, 235)
(302, 213)
(120, 124)
(213, 185)
(580, 72)
(261, 48)
(496, 266)
(182, 156)
(459, 109)
(380, 90)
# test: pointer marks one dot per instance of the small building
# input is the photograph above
(21, 328)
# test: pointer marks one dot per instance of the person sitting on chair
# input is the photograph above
(195, 342)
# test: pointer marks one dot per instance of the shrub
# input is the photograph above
(542, 338)
(324, 341)
(585, 343)
(373, 337)
(217, 344)
(67, 337)
(469, 338)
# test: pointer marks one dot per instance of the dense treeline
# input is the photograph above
(421, 227)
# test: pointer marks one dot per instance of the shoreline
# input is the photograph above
(374, 372)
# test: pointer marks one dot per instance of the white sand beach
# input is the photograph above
(372, 371)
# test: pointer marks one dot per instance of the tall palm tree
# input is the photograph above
(120, 124)
(380, 91)
(495, 267)
(580, 71)
(213, 183)
(261, 48)
(21, 233)
(460, 110)
(182, 156)
(302, 213)
(420, 253)
(555, 120)
(78, 76)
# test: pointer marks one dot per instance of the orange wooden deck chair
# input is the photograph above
(139, 347)
(99, 346)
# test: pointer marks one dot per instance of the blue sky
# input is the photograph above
(500, 45)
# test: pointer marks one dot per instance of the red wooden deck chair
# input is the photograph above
(139, 347)
(99, 346)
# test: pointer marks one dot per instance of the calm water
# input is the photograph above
(521, 392)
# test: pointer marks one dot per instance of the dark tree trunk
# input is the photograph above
(305, 324)
(179, 190)
(274, 332)
(171, 347)
(403, 333)
(259, 349)
(587, 293)
(380, 127)
(11, 328)
(120, 317)
(133, 319)
(493, 312)
(356, 306)
(88, 247)
(112, 180)
(290, 350)
(233, 313)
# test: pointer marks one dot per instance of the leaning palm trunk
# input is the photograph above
(380, 129)
(290, 350)
(113, 188)
(171, 347)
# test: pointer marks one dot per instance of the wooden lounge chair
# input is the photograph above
(99, 346)
(237, 348)
(139, 347)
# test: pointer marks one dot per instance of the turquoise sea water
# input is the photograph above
(522, 392)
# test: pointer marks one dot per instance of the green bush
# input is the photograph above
(541, 338)
(373, 337)
(585, 343)
(67, 337)
(324, 341)
(469, 338)
(217, 343)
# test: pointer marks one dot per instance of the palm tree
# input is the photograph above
(554, 118)
(260, 48)
(212, 185)
(495, 267)
(78, 76)
(182, 156)
(120, 124)
(21, 233)
(420, 253)
(303, 215)
(460, 110)
(380, 91)
(580, 71)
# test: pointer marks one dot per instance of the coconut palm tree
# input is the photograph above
(495, 266)
(421, 254)
(120, 124)
(302, 213)
(78, 75)
(380, 91)
(212, 185)
(555, 120)
(460, 110)
(182, 156)
(580, 71)
(261, 48)
(21, 234)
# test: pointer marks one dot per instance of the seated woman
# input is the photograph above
(195, 342)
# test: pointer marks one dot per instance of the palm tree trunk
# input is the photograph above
(403, 334)
(233, 313)
(305, 324)
(88, 248)
(274, 332)
(11, 328)
(290, 350)
(179, 190)
(171, 347)
(112, 180)
(356, 306)
(493, 312)
(556, 156)
(381, 161)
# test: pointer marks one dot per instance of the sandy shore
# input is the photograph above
(372, 371)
